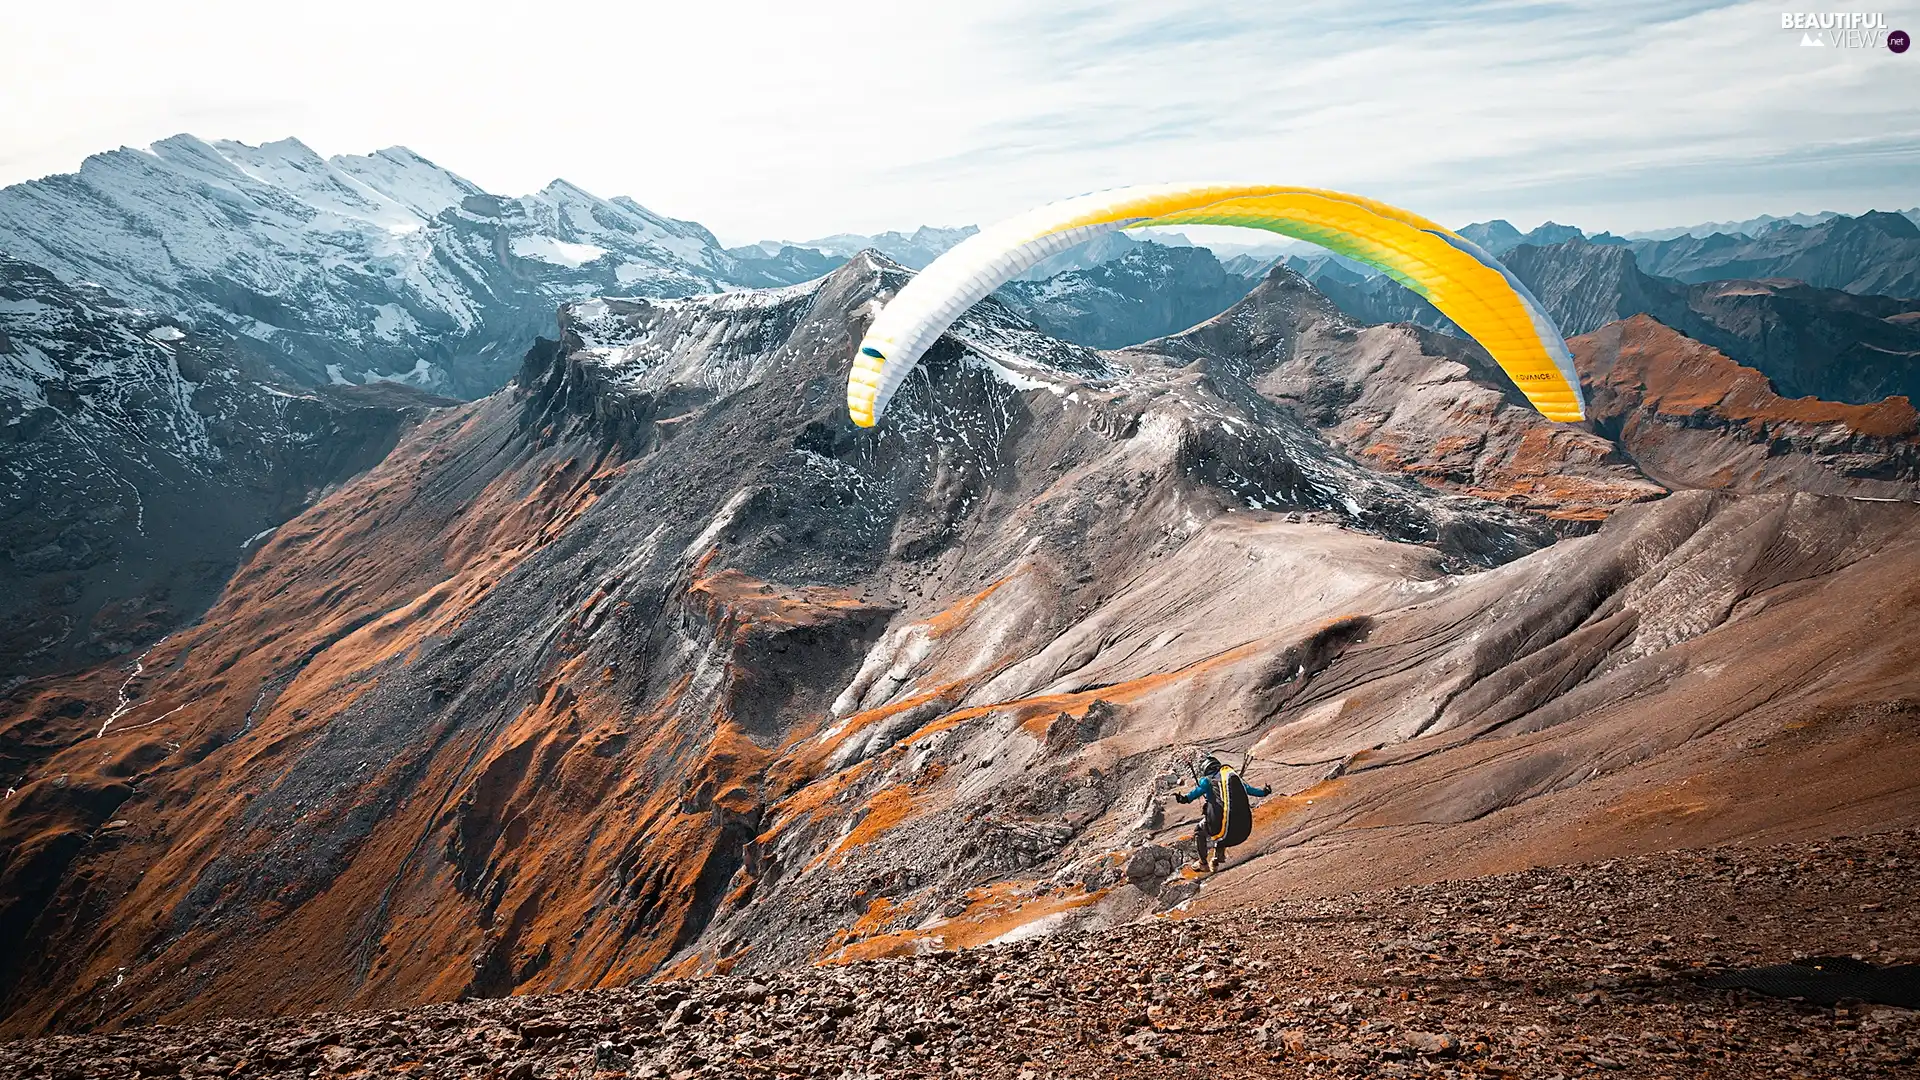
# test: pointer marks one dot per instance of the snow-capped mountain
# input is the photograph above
(351, 269)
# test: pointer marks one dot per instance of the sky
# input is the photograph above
(798, 119)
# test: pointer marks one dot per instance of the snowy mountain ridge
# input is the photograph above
(377, 267)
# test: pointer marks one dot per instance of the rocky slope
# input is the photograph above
(1403, 399)
(655, 666)
(1663, 405)
(1692, 418)
(1585, 286)
(356, 268)
(141, 461)
(1811, 342)
(1557, 971)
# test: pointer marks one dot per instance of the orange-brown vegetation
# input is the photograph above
(1673, 375)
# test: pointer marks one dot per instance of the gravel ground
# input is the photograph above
(1555, 972)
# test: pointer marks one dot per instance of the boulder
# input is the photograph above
(1151, 865)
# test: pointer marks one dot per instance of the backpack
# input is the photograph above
(1236, 813)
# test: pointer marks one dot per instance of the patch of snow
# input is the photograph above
(166, 333)
(686, 248)
(335, 378)
(629, 272)
(558, 252)
(421, 375)
(126, 703)
(391, 321)
(1003, 373)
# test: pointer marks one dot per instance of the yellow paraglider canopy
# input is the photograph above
(1465, 283)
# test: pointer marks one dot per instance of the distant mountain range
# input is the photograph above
(1809, 340)
(1875, 253)
(386, 266)
(913, 250)
(1498, 236)
(1751, 226)
(916, 249)
(1816, 307)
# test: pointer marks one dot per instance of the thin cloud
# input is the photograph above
(781, 120)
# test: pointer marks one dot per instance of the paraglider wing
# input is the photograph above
(1468, 286)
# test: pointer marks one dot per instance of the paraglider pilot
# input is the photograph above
(1229, 816)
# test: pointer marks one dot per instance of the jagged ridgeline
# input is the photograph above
(360, 268)
(654, 665)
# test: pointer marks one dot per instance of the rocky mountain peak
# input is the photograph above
(1552, 232)
(1493, 237)
(351, 269)
(1880, 221)
(1584, 286)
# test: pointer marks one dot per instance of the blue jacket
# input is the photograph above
(1204, 789)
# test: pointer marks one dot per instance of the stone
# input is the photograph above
(1151, 865)
(1177, 893)
(1431, 1044)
